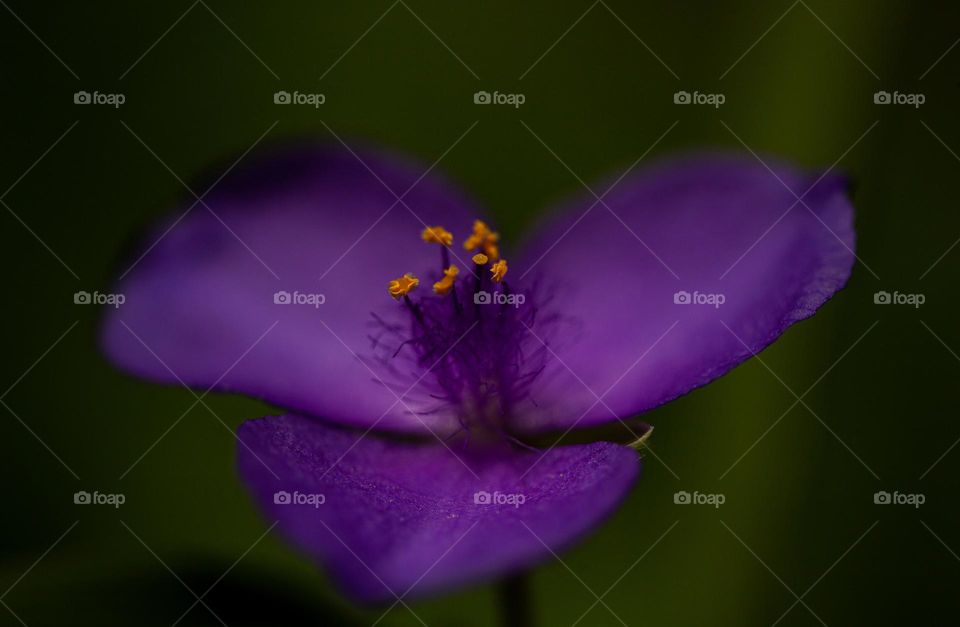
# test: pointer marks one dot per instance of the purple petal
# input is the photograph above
(200, 303)
(401, 518)
(707, 225)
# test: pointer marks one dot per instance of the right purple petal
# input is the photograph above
(700, 229)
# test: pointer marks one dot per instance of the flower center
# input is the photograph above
(469, 342)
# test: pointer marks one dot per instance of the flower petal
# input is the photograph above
(401, 518)
(200, 303)
(701, 229)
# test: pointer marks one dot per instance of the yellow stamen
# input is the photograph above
(480, 259)
(402, 286)
(480, 234)
(444, 285)
(437, 235)
(499, 270)
(484, 239)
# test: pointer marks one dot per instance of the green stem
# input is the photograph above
(516, 609)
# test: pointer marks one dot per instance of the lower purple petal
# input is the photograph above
(401, 519)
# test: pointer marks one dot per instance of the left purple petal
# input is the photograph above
(400, 519)
(200, 302)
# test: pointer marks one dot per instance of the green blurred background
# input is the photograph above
(799, 518)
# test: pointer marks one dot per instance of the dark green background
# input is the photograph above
(798, 501)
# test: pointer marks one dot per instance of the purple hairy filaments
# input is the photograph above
(472, 347)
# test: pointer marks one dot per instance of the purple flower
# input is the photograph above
(403, 463)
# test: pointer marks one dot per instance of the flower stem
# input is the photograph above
(516, 610)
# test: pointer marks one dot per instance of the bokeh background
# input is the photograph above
(79, 183)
